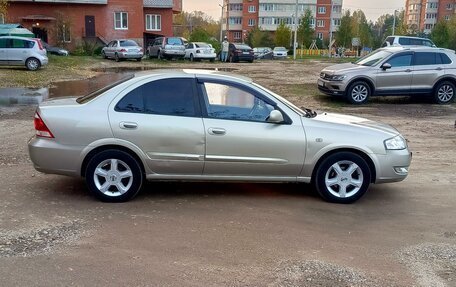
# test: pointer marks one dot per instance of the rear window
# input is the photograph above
(242, 47)
(128, 43)
(202, 45)
(445, 59)
(426, 58)
(87, 98)
(174, 41)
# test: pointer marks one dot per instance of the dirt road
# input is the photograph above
(52, 233)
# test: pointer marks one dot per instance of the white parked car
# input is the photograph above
(196, 51)
(280, 53)
(407, 41)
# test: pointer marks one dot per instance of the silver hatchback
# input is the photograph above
(208, 126)
(123, 49)
(20, 51)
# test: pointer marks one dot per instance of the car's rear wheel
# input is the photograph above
(444, 93)
(192, 58)
(114, 176)
(212, 60)
(32, 64)
(103, 54)
(139, 59)
(342, 177)
(116, 57)
(159, 56)
(358, 93)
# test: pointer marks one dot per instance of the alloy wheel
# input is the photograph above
(445, 93)
(359, 93)
(344, 179)
(113, 177)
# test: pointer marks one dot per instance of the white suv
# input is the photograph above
(20, 51)
(407, 41)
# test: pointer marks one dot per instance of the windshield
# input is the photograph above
(128, 43)
(280, 49)
(373, 58)
(93, 95)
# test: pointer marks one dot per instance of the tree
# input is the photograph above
(201, 35)
(282, 36)
(360, 28)
(185, 23)
(3, 8)
(259, 38)
(305, 31)
(344, 34)
(440, 35)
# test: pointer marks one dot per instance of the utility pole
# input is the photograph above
(394, 22)
(295, 30)
(221, 23)
(330, 29)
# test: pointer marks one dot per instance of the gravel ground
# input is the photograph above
(52, 233)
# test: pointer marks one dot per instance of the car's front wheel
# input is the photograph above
(358, 93)
(342, 177)
(32, 64)
(444, 93)
(103, 54)
(114, 176)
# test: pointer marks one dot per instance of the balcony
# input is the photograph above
(158, 3)
(103, 2)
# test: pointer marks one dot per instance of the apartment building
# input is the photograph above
(422, 15)
(243, 15)
(76, 21)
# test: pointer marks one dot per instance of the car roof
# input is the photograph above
(415, 48)
(411, 37)
(17, 37)
(215, 74)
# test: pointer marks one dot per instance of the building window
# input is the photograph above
(237, 35)
(235, 7)
(153, 22)
(449, 6)
(320, 36)
(252, 9)
(251, 22)
(431, 15)
(336, 22)
(321, 10)
(235, 20)
(447, 17)
(64, 33)
(432, 5)
(337, 9)
(121, 20)
(320, 23)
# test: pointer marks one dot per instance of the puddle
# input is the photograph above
(32, 97)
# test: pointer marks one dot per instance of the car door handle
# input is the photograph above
(217, 131)
(439, 69)
(408, 71)
(128, 125)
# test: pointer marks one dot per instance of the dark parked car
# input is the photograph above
(240, 52)
(55, 50)
(263, 53)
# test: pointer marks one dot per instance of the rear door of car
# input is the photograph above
(427, 68)
(162, 117)
(4, 51)
(398, 79)
(19, 51)
(240, 143)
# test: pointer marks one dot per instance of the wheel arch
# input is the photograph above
(369, 81)
(360, 153)
(446, 78)
(99, 149)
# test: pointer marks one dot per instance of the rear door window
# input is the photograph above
(171, 97)
(404, 41)
(3, 43)
(22, 44)
(425, 58)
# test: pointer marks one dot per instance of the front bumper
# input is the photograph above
(393, 166)
(332, 88)
(49, 156)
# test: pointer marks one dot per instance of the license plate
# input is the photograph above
(321, 84)
(207, 52)
(245, 53)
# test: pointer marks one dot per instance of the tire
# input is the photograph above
(230, 59)
(139, 59)
(212, 60)
(32, 64)
(358, 93)
(444, 93)
(116, 57)
(103, 54)
(345, 187)
(192, 58)
(159, 56)
(104, 179)
(250, 61)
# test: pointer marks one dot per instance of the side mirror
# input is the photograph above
(386, 66)
(275, 117)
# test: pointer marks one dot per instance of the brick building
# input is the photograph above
(74, 21)
(243, 15)
(422, 15)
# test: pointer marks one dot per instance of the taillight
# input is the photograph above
(123, 50)
(238, 51)
(41, 128)
(40, 45)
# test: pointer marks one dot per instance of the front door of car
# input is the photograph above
(398, 78)
(427, 68)
(239, 140)
(162, 118)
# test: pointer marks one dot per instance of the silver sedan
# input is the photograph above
(209, 126)
(122, 49)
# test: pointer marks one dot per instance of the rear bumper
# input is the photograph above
(48, 156)
(130, 55)
(173, 53)
(205, 56)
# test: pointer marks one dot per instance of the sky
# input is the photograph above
(372, 8)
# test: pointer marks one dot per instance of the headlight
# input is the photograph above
(395, 143)
(337, 77)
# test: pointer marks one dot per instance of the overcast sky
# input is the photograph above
(372, 8)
